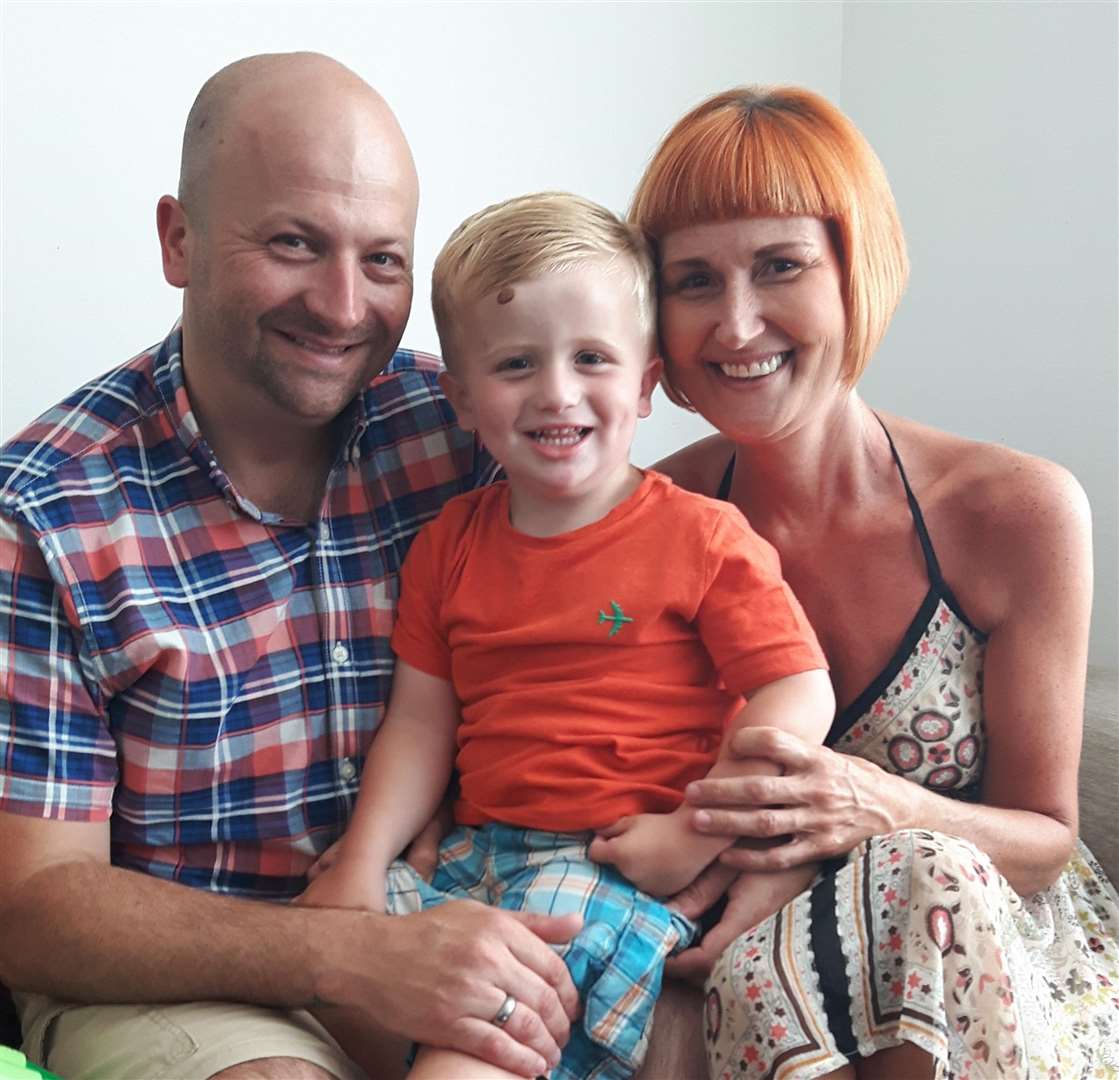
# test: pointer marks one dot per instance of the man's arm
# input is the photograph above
(73, 926)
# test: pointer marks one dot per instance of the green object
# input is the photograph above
(15, 1066)
(617, 618)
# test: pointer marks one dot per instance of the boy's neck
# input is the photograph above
(534, 514)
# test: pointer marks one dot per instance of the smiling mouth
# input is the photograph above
(559, 436)
(758, 369)
(319, 346)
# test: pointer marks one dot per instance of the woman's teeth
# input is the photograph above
(755, 370)
(568, 436)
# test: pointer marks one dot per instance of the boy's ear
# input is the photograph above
(649, 382)
(460, 400)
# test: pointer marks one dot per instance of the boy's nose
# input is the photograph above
(558, 388)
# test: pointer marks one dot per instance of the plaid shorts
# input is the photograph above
(616, 961)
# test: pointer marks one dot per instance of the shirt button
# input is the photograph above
(347, 769)
(340, 653)
(324, 531)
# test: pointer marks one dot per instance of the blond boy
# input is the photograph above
(577, 640)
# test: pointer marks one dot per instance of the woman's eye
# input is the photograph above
(780, 267)
(693, 282)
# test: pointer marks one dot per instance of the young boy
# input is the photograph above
(576, 639)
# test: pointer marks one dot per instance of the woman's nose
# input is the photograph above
(740, 319)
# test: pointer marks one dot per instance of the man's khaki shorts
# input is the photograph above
(169, 1042)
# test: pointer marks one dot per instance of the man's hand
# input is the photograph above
(440, 976)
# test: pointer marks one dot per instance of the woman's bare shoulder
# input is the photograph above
(996, 515)
(700, 466)
(1003, 485)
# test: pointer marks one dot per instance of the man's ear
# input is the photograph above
(460, 400)
(171, 224)
(649, 381)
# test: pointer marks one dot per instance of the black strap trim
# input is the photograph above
(831, 966)
(931, 562)
(728, 475)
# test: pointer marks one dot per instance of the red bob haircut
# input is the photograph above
(782, 150)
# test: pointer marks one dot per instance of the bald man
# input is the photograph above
(198, 557)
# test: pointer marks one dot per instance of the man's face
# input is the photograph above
(299, 267)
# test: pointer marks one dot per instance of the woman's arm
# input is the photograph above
(1032, 546)
(402, 783)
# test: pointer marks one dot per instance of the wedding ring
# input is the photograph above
(501, 1017)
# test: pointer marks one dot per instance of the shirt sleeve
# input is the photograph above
(749, 620)
(418, 637)
(57, 756)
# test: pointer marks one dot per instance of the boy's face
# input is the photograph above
(552, 373)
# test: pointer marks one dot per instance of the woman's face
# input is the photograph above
(753, 323)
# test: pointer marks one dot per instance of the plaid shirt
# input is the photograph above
(208, 674)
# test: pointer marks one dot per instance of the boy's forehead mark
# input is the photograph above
(505, 295)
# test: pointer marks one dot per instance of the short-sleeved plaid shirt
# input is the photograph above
(207, 674)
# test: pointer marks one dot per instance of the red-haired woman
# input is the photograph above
(956, 927)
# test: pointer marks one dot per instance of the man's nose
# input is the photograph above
(335, 295)
(740, 318)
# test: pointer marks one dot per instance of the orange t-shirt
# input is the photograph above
(596, 669)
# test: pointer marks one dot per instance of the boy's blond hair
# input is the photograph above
(525, 237)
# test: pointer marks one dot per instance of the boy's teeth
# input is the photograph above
(559, 436)
(755, 370)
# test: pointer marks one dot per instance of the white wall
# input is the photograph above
(997, 124)
(497, 99)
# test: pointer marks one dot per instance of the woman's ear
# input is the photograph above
(649, 380)
(456, 394)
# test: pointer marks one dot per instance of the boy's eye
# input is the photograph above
(514, 363)
(590, 359)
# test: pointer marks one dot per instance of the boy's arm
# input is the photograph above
(402, 784)
(662, 853)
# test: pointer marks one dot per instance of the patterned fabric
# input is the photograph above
(616, 961)
(207, 673)
(915, 937)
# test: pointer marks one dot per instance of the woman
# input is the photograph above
(956, 927)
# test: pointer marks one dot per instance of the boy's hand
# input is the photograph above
(659, 853)
(344, 884)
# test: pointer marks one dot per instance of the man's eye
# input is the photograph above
(292, 242)
(383, 258)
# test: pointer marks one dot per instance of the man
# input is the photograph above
(197, 581)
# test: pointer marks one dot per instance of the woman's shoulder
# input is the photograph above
(964, 477)
(700, 466)
(999, 518)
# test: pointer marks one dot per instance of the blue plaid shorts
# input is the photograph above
(616, 961)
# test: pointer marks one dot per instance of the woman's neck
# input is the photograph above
(826, 466)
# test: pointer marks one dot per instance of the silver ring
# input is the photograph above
(501, 1017)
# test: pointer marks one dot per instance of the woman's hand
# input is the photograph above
(823, 804)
